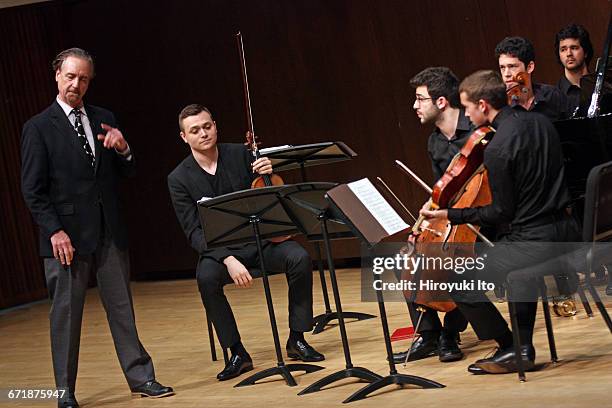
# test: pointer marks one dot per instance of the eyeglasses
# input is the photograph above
(420, 99)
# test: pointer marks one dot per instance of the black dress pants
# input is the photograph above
(287, 257)
(454, 321)
(523, 247)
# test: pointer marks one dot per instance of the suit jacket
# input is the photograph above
(188, 184)
(61, 188)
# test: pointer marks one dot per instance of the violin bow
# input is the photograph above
(424, 185)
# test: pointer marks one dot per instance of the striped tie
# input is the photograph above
(80, 130)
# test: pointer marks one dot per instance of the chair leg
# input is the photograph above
(516, 339)
(211, 338)
(600, 305)
(585, 302)
(549, 328)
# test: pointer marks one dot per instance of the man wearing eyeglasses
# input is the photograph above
(437, 103)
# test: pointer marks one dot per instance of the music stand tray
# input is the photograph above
(315, 154)
(246, 216)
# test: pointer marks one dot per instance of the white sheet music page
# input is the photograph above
(376, 204)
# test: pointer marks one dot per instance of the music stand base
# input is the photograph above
(283, 370)
(397, 379)
(353, 372)
(323, 320)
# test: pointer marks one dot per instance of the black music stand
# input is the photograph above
(302, 156)
(338, 209)
(306, 205)
(241, 217)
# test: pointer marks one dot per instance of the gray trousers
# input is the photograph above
(67, 287)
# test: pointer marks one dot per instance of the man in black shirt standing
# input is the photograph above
(215, 169)
(573, 50)
(529, 196)
(437, 102)
(516, 54)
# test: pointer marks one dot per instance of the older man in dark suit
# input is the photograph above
(215, 169)
(70, 182)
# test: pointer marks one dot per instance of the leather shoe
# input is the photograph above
(474, 369)
(236, 365)
(69, 402)
(448, 350)
(420, 349)
(152, 389)
(300, 350)
(503, 361)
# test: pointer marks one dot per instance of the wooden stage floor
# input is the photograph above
(172, 328)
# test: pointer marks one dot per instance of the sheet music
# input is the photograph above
(376, 204)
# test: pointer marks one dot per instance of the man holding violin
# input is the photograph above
(516, 55)
(437, 102)
(214, 169)
(529, 196)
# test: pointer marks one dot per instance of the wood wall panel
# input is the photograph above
(29, 39)
(319, 70)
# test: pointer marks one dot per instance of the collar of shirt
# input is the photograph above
(541, 94)
(544, 93)
(566, 86)
(86, 125)
(501, 116)
(67, 108)
(463, 125)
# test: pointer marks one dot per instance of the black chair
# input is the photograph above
(597, 227)
(211, 339)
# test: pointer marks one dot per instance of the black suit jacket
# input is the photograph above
(61, 188)
(188, 184)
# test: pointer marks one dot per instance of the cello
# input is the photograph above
(464, 184)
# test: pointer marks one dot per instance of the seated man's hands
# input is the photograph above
(238, 272)
(263, 165)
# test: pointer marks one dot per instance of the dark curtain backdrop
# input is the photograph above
(319, 70)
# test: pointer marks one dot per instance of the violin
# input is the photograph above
(264, 180)
(464, 184)
(522, 92)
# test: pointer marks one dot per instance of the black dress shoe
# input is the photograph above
(474, 369)
(300, 350)
(69, 402)
(503, 361)
(448, 350)
(420, 349)
(152, 389)
(236, 365)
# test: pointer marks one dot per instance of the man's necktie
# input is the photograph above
(80, 130)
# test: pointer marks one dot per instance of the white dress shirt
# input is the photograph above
(84, 119)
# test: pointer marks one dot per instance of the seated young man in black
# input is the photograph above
(528, 210)
(437, 102)
(516, 54)
(574, 51)
(211, 170)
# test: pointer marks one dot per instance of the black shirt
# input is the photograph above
(549, 101)
(572, 93)
(442, 150)
(526, 172)
(219, 181)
